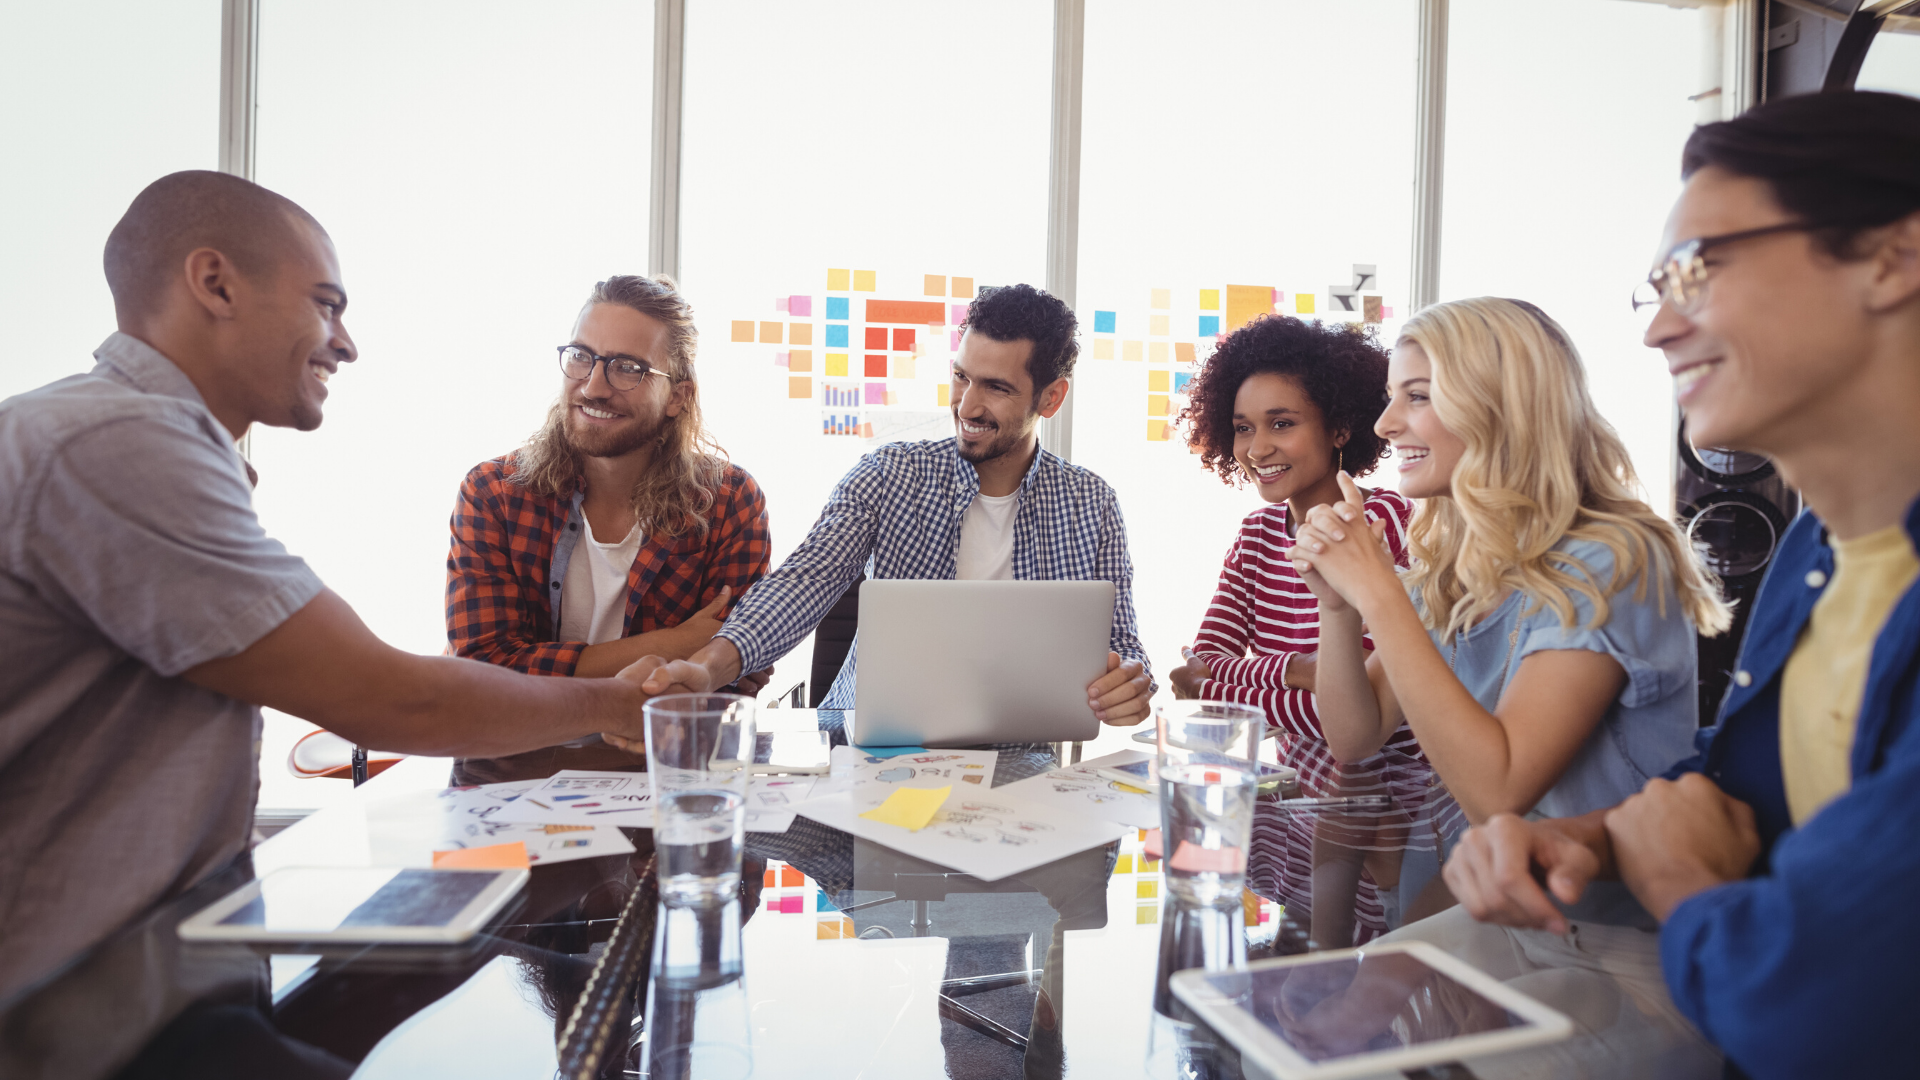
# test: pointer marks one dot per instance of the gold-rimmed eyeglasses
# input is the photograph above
(1681, 279)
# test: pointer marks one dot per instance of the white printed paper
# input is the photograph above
(470, 817)
(578, 797)
(771, 801)
(990, 835)
(1081, 789)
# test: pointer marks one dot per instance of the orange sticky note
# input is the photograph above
(963, 288)
(800, 386)
(936, 285)
(1195, 859)
(1246, 301)
(910, 808)
(511, 856)
(800, 360)
(770, 332)
(743, 330)
(800, 334)
(1183, 351)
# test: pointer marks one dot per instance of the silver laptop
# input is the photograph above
(959, 663)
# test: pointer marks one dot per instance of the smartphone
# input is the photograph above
(804, 753)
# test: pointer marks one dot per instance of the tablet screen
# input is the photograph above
(319, 900)
(1360, 1005)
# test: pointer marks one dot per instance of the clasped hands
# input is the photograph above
(1342, 556)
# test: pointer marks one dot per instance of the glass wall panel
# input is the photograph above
(852, 173)
(479, 166)
(1893, 62)
(102, 99)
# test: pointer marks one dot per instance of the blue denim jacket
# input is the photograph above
(1807, 968)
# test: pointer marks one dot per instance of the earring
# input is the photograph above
(1340, 458)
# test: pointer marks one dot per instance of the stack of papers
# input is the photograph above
(471, 819)
(1081, 789)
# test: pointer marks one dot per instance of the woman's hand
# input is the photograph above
(1187, 677)
(1347, 554)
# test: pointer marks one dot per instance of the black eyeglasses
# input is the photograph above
(1682, 279)
(622, 373)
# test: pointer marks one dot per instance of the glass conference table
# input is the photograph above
(853, 960)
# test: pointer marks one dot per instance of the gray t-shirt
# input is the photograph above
(129, 553)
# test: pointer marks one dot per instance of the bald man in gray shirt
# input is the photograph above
(145, 616)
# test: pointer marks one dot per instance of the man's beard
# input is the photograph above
(612, 442)
(1001, 444)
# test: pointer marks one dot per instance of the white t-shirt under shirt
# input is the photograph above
(593, 597)
(986, 539)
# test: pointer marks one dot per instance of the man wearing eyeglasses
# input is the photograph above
(619, 530)
(1782, 861)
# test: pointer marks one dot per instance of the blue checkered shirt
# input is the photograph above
(898, 513)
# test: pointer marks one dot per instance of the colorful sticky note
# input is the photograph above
(1157, 326)
(800, 333)
(1146, 915)
(1130, 350)
(953, 341)
(791, 878)
(957, 313)
(912, 312)
(1246, 301)
(903, 341)
(800, 307)
(1209, 326)
(1249, 907)
(936, 285)
(863, 281)
(1209, 299)
(876, 392)
(1147, 889)
(1157, 404)
(779, 359)
(876, 366)
(1123, 865)
(836, 363)
(792, 905)
(838, 280)
(1180, 381)
(1103, 348)
(780, 304)
(800, 386)
(963, 288)
(1183, 351)
(909, 808)
(512, 856)
(770, 877)
(1303, 303)
(876, 337)
(1105, 321)
(1156, 431)
(838, 307)
(822, 902)
(1370, 309)
(834, 929)
(1194, 859)
(743, 329)
(1156, 352)
(1150, 841)
(903, 367)
(1158, 381)
(1386, 312)
(943, 396)
(770, 332)
(836, 336)
(1161, 298)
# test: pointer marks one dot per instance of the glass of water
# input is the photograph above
(1207, 757)
(698, 750)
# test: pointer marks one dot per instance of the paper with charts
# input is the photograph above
(988, 834)
(470, 818)
(851, 767)
(578, 797)
(1079, 788)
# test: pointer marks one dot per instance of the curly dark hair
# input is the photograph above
(1024, 313)
(1340, 365)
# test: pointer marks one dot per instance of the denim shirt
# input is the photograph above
(1806, 968)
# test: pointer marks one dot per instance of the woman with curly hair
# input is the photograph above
(1287, 405)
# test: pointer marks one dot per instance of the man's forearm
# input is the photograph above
(721, 658)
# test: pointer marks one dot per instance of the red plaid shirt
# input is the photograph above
(501, 588)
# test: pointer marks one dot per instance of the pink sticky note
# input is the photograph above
(959, 313)
(1194, 859)
(791, 905)
(780, 303)
(1152, 841)
(1386, 312)
(780, 359)
(801, 306)
(953, 341)
(876, 393)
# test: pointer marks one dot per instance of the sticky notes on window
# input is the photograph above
(1370, 309)
(1157, 404)
(1131, 350)
(1103, 348)
(943, 396)
(957, 313)
(1157, 326)
(876, 366)
(1156, 431)
(822, 902)
(838, 307)
(1386, 312)
(1183, 351)
(1246, 301)
(1123, 864)
(1161, 298)
(1180, 381)
(863, 281)
(800, 360)
(791, 878)
(743, 329)
(834, 929)
(903, 367)
(877, 392)
(779, 359)
(1158, 381)
(1146, 915)
(1146, 889)
(936, 285)
(770, 332)
(1105, 321)
(800, 386)
(903, 341)
(1209, 299)
(836, 336)
(511, 856)
(1249, 907)
(800, 307)
(838, 281)
(780, 304)
(909, 808)
(1156, 352)
(836, 364)
(953, 341)
(963, 288)
(789, 905)
(800, 333)
(1303, 303)
(1194, 859)
(876, 337)
(1209, 326)
(915, 312)
(1364, 276)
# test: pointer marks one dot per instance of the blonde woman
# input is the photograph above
(1541, 646)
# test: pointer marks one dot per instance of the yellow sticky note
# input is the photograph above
(1157, 325)
(836, 364)
(1156, 352)
(963, 288)
(1123, 865)
(1162, 298)
(910, 808)
(936, 285)
(1103, 348)
(1130, 351)
(800, 386)
(743, 329)
(1303, 303)
(1159, 382)
(837, 280)
(903, 367)
(511, 856)
(1156, 430)
(1250, 907)
(1145, 914)
(800, 360)
(770, 332)
(1148, 889)
(1156, 404)
(863, 281)
(1209, 299)
(800, 334)
(944, 400)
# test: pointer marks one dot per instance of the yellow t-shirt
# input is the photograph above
(1826, 677)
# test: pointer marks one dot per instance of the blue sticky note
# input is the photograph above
(836, 336)
(890, 751)
(1209, 326)
(1104, 322)
(837, 307)
(824, 904)
(1180, 381)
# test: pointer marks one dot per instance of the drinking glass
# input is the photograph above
(698, 750)
(1208, 755)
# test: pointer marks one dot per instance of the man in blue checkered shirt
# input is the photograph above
(988, 504)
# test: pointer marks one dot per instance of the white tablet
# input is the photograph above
(1361, 1012)
(358, 905)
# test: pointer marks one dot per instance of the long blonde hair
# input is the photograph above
(1540, 466)
(675, 493)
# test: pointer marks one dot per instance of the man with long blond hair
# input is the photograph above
(619, 530)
